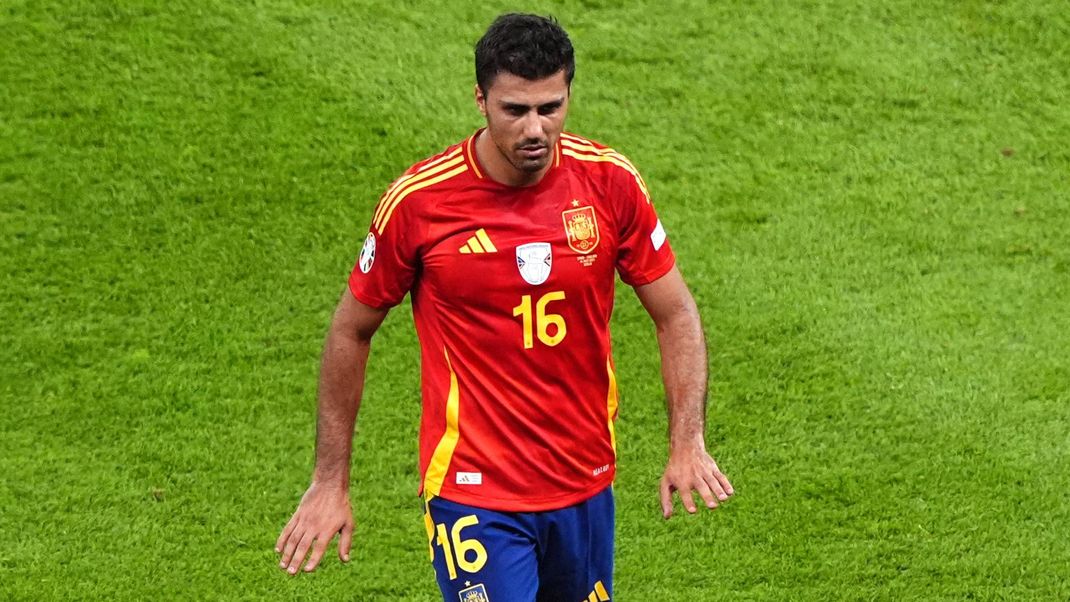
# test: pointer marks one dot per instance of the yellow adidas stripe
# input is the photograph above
(614, 161)
(481, 234)
(474, 243)
(402, 180)
(414, 186)
(582, 144)
(585, 145)
(435, 167)
(440, 460)
(416, 178)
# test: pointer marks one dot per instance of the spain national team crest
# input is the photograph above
(476, 593)
(581, 228)
(534, 261)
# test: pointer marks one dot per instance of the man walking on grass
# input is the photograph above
(509, 242)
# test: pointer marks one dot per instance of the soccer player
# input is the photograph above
(509, 242)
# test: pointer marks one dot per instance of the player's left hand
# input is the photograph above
(691, 469)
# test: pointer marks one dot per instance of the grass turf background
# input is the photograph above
(867, 200)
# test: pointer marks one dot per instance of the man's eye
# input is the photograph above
(518, 111)
(548, 109)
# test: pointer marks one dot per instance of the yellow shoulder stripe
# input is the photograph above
(402, 180)
(569, 143)
(614, 161)
(429, 178)
(580, 144)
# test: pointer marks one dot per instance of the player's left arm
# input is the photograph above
(683, 369)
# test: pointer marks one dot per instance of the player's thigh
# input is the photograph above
(481, 555)
(578, 560)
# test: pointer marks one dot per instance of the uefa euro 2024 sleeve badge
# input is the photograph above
(367, 254)
(534, 261)
(581, 228)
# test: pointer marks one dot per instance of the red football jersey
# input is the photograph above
(512, 289)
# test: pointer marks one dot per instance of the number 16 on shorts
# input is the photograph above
(467, 555)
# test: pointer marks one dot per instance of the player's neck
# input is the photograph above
(499, 169)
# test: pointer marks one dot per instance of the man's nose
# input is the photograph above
(532, 126)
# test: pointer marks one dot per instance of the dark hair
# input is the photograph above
(529, 46)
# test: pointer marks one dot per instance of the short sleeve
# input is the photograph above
(389, 258)
(643, 254)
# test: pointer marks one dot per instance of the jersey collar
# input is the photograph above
(473, 161)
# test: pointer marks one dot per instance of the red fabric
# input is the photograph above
(532, 421)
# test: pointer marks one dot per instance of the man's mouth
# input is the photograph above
(533, 151)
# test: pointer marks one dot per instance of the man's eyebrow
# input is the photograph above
(518, 105)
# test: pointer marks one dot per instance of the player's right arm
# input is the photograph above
(325, 510)
(383, 275)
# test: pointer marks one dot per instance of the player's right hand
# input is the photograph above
(324, 511)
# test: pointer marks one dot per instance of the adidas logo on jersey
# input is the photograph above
(480, 243)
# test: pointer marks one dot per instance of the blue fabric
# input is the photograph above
(529, 556)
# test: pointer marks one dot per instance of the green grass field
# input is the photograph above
(869, 201)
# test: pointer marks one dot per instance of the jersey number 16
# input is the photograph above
(540, 321)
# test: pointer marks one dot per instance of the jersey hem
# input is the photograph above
(527, 505)
(369, 301)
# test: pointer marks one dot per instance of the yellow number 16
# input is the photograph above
(541, 319)
(460, 547)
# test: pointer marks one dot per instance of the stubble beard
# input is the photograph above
(521, 164)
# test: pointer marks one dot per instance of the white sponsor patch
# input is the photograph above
(367, 254)
(657, 237)
(469, 478)
(534, 261)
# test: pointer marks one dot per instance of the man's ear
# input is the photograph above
(481, 100)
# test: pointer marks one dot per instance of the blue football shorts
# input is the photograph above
(489, 556)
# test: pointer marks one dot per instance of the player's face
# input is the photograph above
(524, 119)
